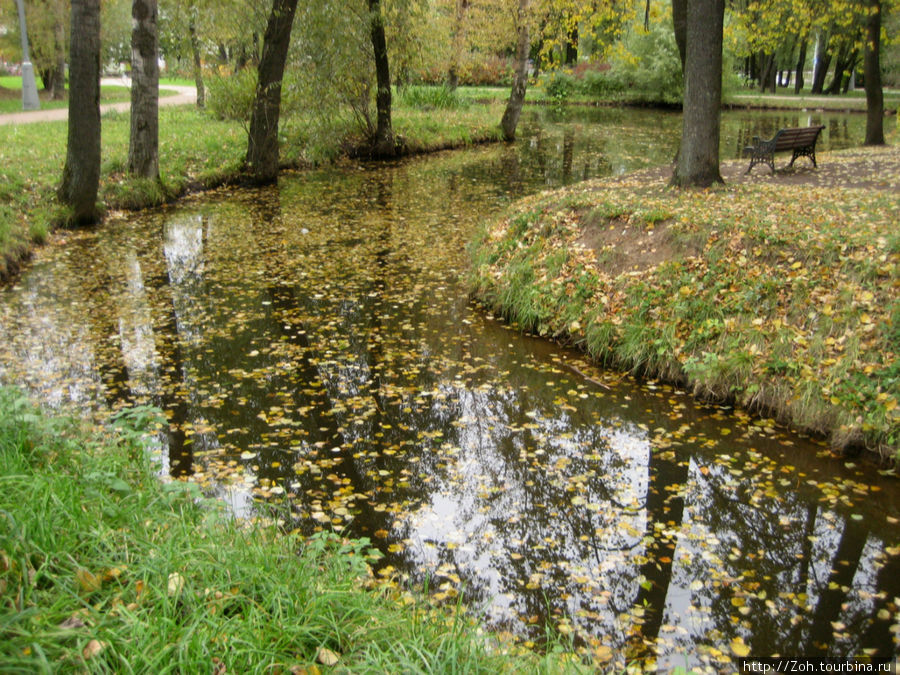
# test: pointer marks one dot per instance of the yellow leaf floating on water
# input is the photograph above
(739, 647)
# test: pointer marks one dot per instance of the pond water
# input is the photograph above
(313, 348)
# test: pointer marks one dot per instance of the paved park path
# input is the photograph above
(183, 96)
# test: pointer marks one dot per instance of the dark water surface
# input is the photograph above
(313, 347)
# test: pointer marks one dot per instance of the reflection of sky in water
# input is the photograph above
(535, 489)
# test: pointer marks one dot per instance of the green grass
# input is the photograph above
(784, 301)
(105, 569)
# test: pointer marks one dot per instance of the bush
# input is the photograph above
(648, 67)
(560, 85)
(231, 97)
(601, 84)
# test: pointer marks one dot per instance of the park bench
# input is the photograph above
(802, 140)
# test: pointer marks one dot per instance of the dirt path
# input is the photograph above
(185, 95)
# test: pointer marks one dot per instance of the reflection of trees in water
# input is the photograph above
(793, 565)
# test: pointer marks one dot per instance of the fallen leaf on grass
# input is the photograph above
(176, 583)
(88, 581)
(327, 657)
(72, 623)
(92, 648)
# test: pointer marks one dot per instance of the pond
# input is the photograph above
(314, 350)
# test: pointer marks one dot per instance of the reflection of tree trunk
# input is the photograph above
(879, 635)
(517, 96)
(568, 152)
(664, 505)
(835, 591)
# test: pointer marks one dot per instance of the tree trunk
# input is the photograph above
(767, 73)
(840, 66)
(872, 70)
(823, 60)
(195, 54)
(383, 143)
(679, 23)
(801, 62)
(458, 41)
(57, 82)
(850, 70)
(143, 148)
(698, 155)
(81, 174)
(520, 81)
(262, 144)
(572, 47)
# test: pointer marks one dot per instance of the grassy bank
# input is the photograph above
(197, 151)
(105, 569)
(783, 298)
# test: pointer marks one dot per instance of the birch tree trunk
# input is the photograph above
(143, 146)
(520, 81)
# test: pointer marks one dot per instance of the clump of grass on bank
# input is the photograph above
(105, 569)
(781, 298)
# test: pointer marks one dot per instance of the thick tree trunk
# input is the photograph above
(679, 23)
(81, 174)
(698, 155)
(383, 143)
(520, 81)
(195, 56)
(872, 70)
(143, 148)
(262, 145)
(801, 62)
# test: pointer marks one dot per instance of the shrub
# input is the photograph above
(231, 97)
(559, 85)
